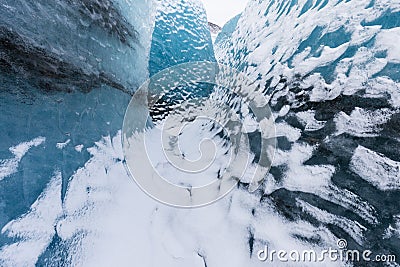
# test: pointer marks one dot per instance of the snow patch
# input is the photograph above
(361, 122)
(376, 169)
(33, 230)
(10, 166)
(63, 145)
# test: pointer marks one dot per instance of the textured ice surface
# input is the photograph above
(181, 35)
(331, 71)
(67, 71)
(329, 68)
(68, 45)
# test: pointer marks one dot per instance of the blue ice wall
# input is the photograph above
(181, 35)
(227, 30)
(330, 69)
(67, 71)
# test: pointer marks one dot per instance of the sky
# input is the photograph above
(221, 11)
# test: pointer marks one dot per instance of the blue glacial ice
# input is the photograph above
(330, 69)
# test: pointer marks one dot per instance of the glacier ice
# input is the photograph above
(331, 71)
(68, 69)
